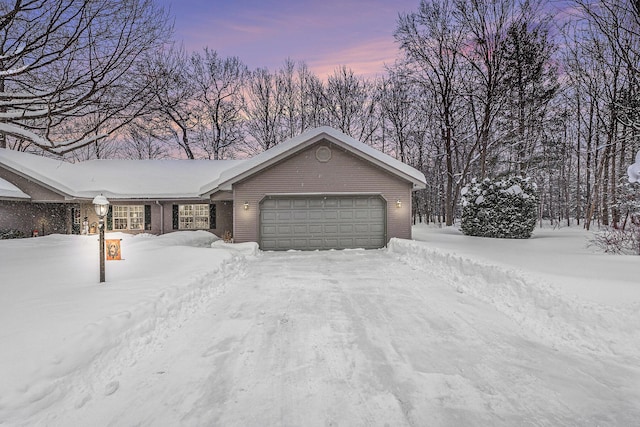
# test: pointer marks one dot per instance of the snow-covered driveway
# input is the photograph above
(355, 338)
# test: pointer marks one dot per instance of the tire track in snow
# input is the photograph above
(358, 338)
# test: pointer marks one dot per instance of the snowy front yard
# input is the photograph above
(449, 331)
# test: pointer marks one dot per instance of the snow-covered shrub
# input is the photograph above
(619, 241)
(624, 237)
(11, 234)
(504, 208)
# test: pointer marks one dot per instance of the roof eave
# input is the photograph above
(33, 176)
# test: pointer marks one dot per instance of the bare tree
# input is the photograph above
(218, 92)
(311, 95)
(487, 22)
(173, 96)
(350, 102)
(63, 60)
(264, 109)
(432, 40)
(140, 141)
(602, 59)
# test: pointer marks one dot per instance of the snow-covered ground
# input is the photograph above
(444, 330)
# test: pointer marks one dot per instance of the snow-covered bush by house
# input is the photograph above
(11, 234)
(504, 208)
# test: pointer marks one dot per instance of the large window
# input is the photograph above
(128, 217)
(193, 217)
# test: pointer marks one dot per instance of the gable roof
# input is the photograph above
(294, 145)
(175, 179)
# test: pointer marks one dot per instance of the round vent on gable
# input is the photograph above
(323, 154)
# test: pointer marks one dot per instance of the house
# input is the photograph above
(319, 190)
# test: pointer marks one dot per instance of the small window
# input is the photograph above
(193, 217)
(128, 217)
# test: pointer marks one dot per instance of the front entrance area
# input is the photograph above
(322, 222)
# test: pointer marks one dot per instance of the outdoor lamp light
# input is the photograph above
(246, 206)
(399, 204)
(101, 205)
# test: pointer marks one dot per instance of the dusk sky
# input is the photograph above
(323, 33)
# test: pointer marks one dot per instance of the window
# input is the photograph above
(193, 217)
(128, 217)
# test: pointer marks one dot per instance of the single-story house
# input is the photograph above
(319, 190)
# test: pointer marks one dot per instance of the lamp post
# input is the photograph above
(101, 205)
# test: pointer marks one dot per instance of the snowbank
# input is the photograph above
(247, 248)
(63, 331)
(531, 302)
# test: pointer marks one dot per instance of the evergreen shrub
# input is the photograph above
(500, 208)
(11, 234)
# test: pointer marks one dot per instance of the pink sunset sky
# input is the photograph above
(323, 33)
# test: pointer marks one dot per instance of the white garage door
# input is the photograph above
(322, 222)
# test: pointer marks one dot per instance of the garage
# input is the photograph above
(322, 222)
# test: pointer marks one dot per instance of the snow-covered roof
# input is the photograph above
(117, 179)
(148, 178)
(300, 142)
(10, 191)
(173, 179)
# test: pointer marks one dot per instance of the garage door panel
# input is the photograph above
(315, 229)
(284, 230)
(300, 215)
(315, 215)
(269, 204)
(284, 243)
(346, 214)
(322, 222)
(361, 228)
(269, 230)
(347, 242)
(346, 228)
(331, 242)
(269, 216)
(300, 243)
(374, 214)
(284, 204)
(284, 216)
(330, 229)
(330, 214)
(268, 244)
(376, 228)
(363, 214)
(301, 229)
(363, 241)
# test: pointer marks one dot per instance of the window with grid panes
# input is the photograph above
(128, 217)
(193, 217)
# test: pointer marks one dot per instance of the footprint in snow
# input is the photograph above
(111, 388)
